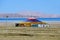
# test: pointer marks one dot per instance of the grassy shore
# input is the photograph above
(9, 32)
(29, 33)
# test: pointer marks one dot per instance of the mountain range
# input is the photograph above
(30, 14)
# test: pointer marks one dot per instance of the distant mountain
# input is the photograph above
(30, 14)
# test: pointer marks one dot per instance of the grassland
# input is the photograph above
(10, 32)
(29, 33)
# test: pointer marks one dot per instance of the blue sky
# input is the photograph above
(45, 6)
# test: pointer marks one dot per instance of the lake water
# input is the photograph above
(22, 19)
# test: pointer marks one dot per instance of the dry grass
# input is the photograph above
(23, 33)
(10, 32)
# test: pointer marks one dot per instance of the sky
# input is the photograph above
(45, 6)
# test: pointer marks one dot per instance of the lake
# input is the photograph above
(23, 19)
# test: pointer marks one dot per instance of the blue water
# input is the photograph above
(41, 19)
(49, 19)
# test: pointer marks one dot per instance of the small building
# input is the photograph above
(31, 22)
